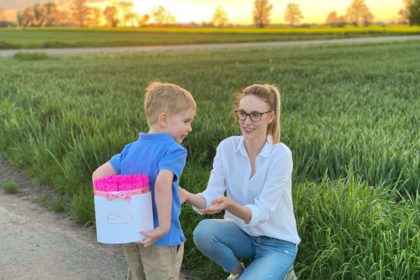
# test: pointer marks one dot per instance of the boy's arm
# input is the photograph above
(163, 198)
(104, 170)
(196, 200)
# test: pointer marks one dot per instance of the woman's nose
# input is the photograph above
(248, 120)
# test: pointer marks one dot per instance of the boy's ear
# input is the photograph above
(162, 119)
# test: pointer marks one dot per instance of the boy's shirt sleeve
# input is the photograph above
(116, 159)
(174, 160)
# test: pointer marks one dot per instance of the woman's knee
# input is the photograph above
(203, 231)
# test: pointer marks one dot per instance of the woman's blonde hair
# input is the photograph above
(165, 97)
(271, 96)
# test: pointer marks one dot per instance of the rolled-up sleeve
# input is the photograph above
(278, 181)
(217, 181)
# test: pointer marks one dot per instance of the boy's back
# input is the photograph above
(148, 155)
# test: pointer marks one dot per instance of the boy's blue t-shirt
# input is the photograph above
(148, 155)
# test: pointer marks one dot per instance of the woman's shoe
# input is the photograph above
(236, 276)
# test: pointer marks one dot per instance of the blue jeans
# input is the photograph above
(224, 242)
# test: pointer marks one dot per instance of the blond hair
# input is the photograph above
(271, 96)
(166, 98)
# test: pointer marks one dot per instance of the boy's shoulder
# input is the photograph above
(161, 142)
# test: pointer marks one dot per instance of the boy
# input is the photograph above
(169, 110)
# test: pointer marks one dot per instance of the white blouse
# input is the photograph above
(268, 193)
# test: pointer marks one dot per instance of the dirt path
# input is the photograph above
(36, 243)
(75, 51)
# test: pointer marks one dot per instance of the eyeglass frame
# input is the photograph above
(249, 115)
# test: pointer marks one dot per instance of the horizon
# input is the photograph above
(238, 11)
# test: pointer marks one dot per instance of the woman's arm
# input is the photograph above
(216, 185)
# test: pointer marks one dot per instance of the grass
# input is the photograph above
(29, 56)
(58, 37)
(349, 114)
(56, 205)
(10, 187)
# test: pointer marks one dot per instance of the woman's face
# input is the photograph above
(254, 129)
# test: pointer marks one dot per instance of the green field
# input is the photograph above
(55, 37)
(350, 115)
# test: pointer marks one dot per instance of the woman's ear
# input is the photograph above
(272, 116)
(162, 119)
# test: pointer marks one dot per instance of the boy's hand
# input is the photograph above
(152, 236)
(183, 195)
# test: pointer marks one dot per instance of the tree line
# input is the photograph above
(82, 13)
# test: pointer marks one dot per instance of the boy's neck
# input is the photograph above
(156, 129)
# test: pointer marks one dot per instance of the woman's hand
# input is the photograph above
(217, 205)
(224, 203)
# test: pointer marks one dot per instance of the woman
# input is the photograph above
(255, 170)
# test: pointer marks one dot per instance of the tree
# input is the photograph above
(142, 20)
(162, 16)
(38, 15)
(293, 14)
(219, 17)
(94, 16)
(52, 14)
(110, 14)
(26, 17)
(261, 13)
(126, 12)
(358, 13)
(80, 12)
(414, 17)
(405, 12)
(331, 18)
(334, 20)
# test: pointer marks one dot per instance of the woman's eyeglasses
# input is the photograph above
(253, 116)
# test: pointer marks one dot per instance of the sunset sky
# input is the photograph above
(240, 11)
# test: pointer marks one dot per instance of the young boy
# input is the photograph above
(169, 111)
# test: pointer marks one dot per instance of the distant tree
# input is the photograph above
(142, 20)
(358, 13)
(39, 18)
(162, 16)
(405, 11)
(111, 17)
(131, 19)
(334, 20)
(125, 9)
(94, 16)
(331, 18)
(19, 19)
(53, 16)
(219, 17)
(26, 17)
(80, 12)
(261, 13)
(414, 17)
(293, 14)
